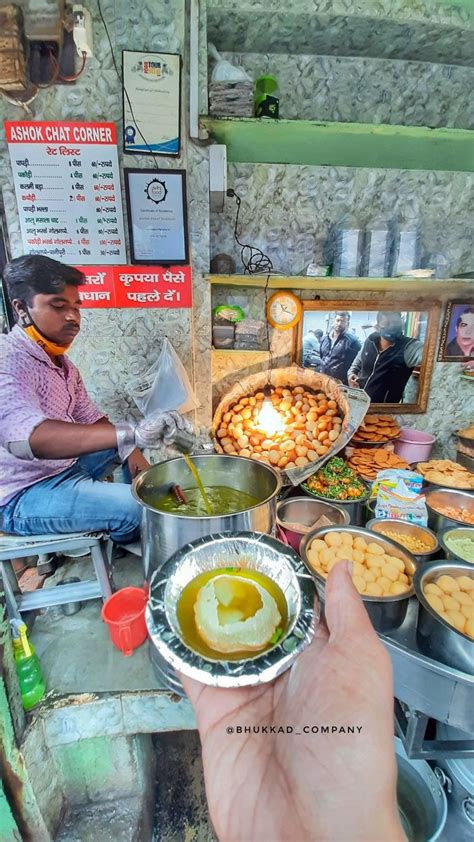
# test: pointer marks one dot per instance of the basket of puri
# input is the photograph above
(291, 418)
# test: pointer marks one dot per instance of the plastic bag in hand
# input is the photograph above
(160, 427)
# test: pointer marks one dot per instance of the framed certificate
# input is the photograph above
(151, 103)
(157, 216)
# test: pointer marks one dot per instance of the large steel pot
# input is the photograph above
(163, 533)
(436, 638)
(421, 799)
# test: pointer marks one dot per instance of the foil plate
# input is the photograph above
(242, 549)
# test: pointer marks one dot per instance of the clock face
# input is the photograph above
(284, 310)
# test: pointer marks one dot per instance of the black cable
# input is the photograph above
(254, 261)
(119, 76)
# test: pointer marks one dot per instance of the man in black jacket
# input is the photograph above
(387, 358)
(339, 348)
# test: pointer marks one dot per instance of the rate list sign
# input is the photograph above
(67, 187)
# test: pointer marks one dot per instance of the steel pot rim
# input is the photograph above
(304, 498)
(196, 518)
(447, 549)
(363, 533)
(433, 566)
(394, 521)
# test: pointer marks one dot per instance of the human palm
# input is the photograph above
(304, 786)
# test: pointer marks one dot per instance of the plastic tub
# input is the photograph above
(124, 613)
(223, 336)
(414, 445)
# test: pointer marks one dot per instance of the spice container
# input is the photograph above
(419, 540)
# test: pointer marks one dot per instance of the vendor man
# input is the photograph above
(55, 445)
(386, 360)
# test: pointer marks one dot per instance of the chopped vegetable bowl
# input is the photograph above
(336, 481)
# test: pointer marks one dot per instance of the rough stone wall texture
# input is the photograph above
(115, 345)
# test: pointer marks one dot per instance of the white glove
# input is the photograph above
(157, 428)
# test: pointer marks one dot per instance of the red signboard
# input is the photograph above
(153, 286)
(99, 289)
(160, 287)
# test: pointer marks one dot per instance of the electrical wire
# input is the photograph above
(119, 77)
(54, 77)
(73, 76)
(254, 260)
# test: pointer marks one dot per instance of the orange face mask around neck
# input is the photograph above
(51, 348)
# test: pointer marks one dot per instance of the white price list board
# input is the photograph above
(68, 193)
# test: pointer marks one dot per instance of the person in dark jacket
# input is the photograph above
(339, 348)
(387, 358)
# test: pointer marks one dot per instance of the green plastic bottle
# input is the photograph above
(28, 667)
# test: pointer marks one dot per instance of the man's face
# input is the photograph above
(340, 324)
(465, 332)
(391, 327)
(57, 316)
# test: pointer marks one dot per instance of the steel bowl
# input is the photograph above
(246, 550)
(428, 484)
(465, 460)
(304, 511)
(376, 524)
(447, 497)
(387, 612)
(436, 638)
(355, 508)
(458, 532)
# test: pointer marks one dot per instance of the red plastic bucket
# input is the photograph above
(124, 613)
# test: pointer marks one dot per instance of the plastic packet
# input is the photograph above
(400, 503)
(224, 71)
(228, 313)
(164, 386)
(346, 243)
(391, 477)
(377, 250)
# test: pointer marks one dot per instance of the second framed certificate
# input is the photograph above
(157, 216)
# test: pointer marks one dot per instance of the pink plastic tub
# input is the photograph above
(413, 445)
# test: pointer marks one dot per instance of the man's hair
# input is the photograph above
(318, 332)
(343, 313)
(467, 310)
(31, 274)
(385, 314)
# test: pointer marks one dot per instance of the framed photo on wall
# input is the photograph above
(457, 334)
(157, 216)
(151, 103)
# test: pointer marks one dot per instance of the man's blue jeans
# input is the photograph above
(76, 501)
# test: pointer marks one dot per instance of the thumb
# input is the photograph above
(346, 617)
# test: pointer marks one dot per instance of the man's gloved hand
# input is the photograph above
(157, 428)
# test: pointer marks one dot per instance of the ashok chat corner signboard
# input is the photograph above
(159, 287)
(68, 193)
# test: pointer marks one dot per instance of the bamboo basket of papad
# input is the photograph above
(352, 403)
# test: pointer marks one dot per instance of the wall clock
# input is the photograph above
(284, 310)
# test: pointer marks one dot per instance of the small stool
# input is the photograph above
(21, 546)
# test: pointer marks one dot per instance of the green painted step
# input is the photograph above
(250, 140)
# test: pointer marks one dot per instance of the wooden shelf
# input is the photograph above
(226, 351)
(266, 141)
(394, 285)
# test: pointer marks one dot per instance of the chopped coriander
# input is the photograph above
(276, 635)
